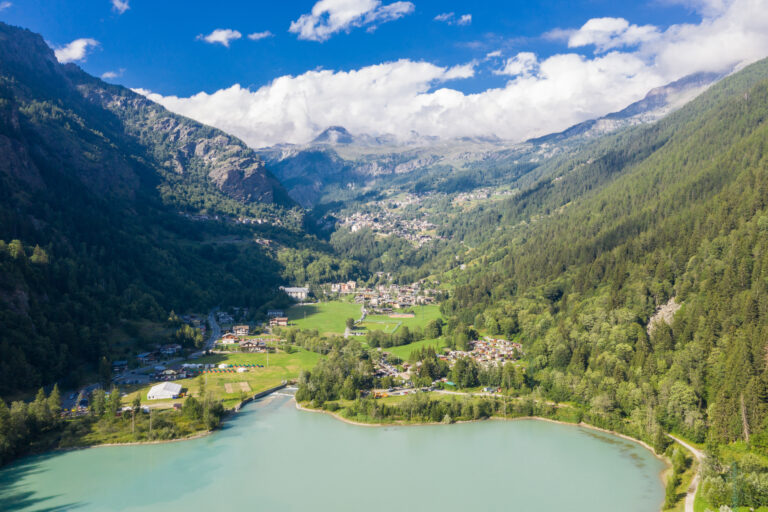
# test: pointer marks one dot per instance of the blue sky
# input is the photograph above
(154, 42)
(507, 68)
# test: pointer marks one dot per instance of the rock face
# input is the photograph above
(185, 147)
(113, 139)
(664, 313)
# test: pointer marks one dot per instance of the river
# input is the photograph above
(272, 457)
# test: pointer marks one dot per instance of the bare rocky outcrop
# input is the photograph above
(664, 313)
(114, 140)
(186, 147)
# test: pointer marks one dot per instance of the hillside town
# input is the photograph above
(385, 223)
(383, 299)
(488, 352)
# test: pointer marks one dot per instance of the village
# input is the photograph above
(383, 299)
(488, 352)
(227, 333)
(416, 231)
(480, 194)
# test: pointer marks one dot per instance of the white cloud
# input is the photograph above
(450, 18)
(109, 75)
(542, 94)
(120, 6)
(493, 55)
(221, 36)
(705, 7)
(257, 36)
(524, 63)
(296, 108)
(75, 51)
(465, 19)
(5, 5)
(331, 16)
(558, 34)
(609, 33)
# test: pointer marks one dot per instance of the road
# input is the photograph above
(347, 332)
(68, 403)
(215, 333)
(215, 330)
(699, 455)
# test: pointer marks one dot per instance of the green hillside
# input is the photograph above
(676, 210)
(98, 192)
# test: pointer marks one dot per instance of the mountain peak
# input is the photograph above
(334, 135)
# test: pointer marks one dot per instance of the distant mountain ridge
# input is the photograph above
(338, 159)
(655, 105)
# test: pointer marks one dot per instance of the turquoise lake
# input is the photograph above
(272, 457)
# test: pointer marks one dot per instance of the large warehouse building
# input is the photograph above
(164, 390)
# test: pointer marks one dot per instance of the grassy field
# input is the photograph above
(330, 317)
(424, 315)
(281, 367)
(388, 327)
(326, 317)
(404, 351)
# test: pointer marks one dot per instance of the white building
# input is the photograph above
(296, 293)
(164, 390)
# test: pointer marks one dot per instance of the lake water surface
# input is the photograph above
(272, 457)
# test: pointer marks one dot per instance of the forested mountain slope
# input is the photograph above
(92, 178)
(93, 126)
(673, 210)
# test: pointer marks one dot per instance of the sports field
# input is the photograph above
(326, 317)
(422, 316)
(230, 387)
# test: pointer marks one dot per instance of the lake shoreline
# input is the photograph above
(492, 418)
(263, 433)
(196, 435)
(270, 394)
(662, 475)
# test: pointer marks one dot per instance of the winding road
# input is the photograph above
(699, 455)
(347, 332)
(215, 333)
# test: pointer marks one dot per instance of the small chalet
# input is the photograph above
(241, 330)
(253, 346)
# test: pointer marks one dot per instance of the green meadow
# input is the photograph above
(325, 317)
